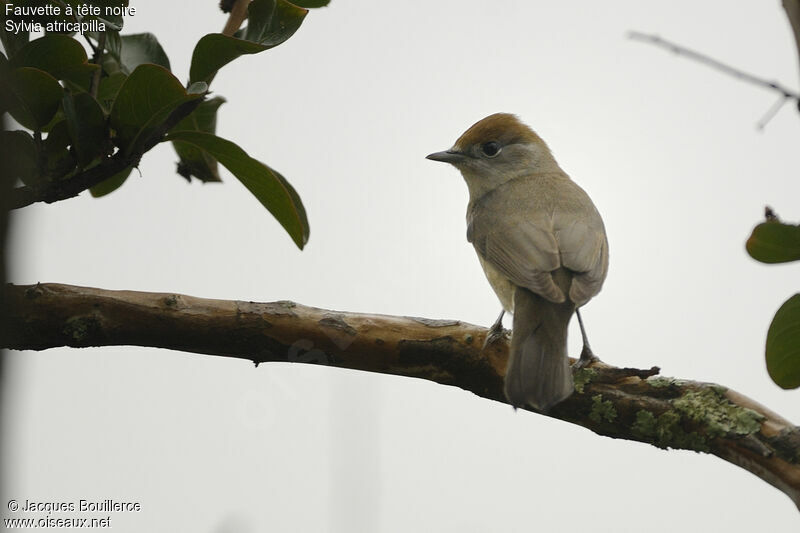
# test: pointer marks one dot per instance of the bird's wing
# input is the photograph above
(538, 239)
(524, 251)
(584, 250)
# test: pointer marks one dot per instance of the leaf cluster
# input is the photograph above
(85, 122)
(774, 242)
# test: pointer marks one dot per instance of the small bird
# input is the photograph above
(541, 243)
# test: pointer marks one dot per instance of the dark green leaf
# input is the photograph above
(111, 184)
(112, 58)
(145, 101)
(270, 23)
(12, 41)
(125, 53)
(33, 96)
(266, 185)
(194, 161)
(774, 242)
(60, 56)
(108, 89)
(783, 345)
(59, 160)
(86, 124)
(141, 48)
(18, 156)
(213, 51)
(5, 92)
(311, 3)
(198, 87)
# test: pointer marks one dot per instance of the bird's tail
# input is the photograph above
(538, 373)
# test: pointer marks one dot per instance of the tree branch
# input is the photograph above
(620, 403)
(70, 187)
(238, 14)
(785, 94)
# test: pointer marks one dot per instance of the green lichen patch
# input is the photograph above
(80, 328)
(665, 431)
(661, 381)
(721, 418)
(582, 377)
(602, 410)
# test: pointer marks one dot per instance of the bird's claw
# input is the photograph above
(496, 332)
(586, 359)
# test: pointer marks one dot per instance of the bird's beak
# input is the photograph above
(449, 156)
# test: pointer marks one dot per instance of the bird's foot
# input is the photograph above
(496, 332)
(586, 359)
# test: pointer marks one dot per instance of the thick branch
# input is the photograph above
(617, 402)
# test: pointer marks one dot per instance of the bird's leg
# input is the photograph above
(587, 356)
(496, 331)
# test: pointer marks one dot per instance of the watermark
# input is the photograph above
(64, 18)
(82, 513)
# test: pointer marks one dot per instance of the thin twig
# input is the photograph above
(237, 15)
(785, 93)
(772, 111)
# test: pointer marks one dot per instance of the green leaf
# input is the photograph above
(270, 23)
(5, 91)
(783, 345)
(774, 242)
(269, 187)
(87, 126)
(125, 53)
(198, 87)
(213, 51)
(18, 156)
(195, 161)
(60, 56)
(108, 88)
(33, 96)
(111, 184)
(144, 104)
(112, 58)
(59, 160)
(311, 3)
(12, 41)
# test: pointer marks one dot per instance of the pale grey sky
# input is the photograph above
(346, 110)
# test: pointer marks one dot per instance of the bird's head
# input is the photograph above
(497, 149)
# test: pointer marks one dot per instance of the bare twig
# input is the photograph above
(785, 93)
(237, 15)
(622, 403)
(771, 112)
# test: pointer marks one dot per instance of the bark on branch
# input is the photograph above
(621, 403)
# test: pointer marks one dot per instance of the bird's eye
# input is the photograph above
(490, 149)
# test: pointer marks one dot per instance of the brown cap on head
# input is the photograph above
(504, 128)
